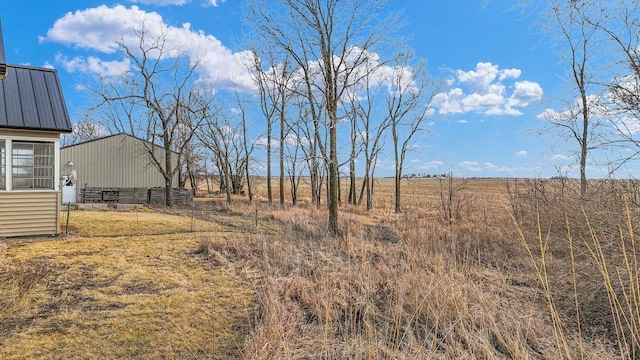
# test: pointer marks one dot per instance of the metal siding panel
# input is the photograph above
(27, 100)
(42, 101)
(3, 106)
(12, 98)
(115, 161)
(58, 106)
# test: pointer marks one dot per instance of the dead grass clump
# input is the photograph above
(584, 252)
(17, 281)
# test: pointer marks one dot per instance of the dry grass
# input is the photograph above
(149, 296)
(518, 274)
(142, 221)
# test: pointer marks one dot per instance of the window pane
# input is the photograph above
(20, 183)
(33, 165)
(22, 172)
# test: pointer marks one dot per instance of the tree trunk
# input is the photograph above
(333, 178)
(282, 118)
(269, 190)
(398, 179)
(352, 165)
(167, 176)
(583, 147)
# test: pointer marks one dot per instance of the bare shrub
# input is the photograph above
(453, 197)
(585, 256)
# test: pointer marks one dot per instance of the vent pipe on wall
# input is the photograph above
(3, 60)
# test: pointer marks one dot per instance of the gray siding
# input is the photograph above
(114, 161)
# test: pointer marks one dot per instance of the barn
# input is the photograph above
(33, 114)
(107, 168)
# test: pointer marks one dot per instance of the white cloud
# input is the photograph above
(501, 169)
(560, 157)
(104, 29)
(470, 166)
(627, 126)
(462, 121)
(510, 73)
(433, 164)
(487, 94)
(93, 64)
(290, 140)
(595, 107)
(173, 2)
(525, 93)
(521, 153)
(161, 2)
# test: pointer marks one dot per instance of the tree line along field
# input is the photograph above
(471, 269)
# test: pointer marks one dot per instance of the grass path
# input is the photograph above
(98, 295)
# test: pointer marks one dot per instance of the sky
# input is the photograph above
(499, 68)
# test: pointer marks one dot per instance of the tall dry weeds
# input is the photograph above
(406, 286)
(585, 255)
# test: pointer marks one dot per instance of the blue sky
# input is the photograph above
(499, 67)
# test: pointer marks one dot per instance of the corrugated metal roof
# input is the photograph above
(31, 99)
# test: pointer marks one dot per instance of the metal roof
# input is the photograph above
(31, 99)
(121, 134)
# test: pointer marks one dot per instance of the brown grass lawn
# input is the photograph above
(105, 292)
(478, 272)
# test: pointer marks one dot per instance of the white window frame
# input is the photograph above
(9, 139)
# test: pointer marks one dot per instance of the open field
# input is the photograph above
(477, 269)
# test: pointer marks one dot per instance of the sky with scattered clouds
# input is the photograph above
(499, 69)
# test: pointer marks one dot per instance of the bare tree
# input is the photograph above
(575, 23)
(327, 40)
(84, 130)
(224, 134)
(264, 79)
(294, 165)
(622, 28)
(273, 81)
(372, 125)
(154, 99)
(408, 98)
(247, 146)
(190, 158)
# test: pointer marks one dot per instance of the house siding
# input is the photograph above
(118, 161)
(29, 213)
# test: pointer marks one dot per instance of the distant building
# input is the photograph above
(115, 161)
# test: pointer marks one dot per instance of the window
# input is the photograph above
(32, 165)
(3, 166)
